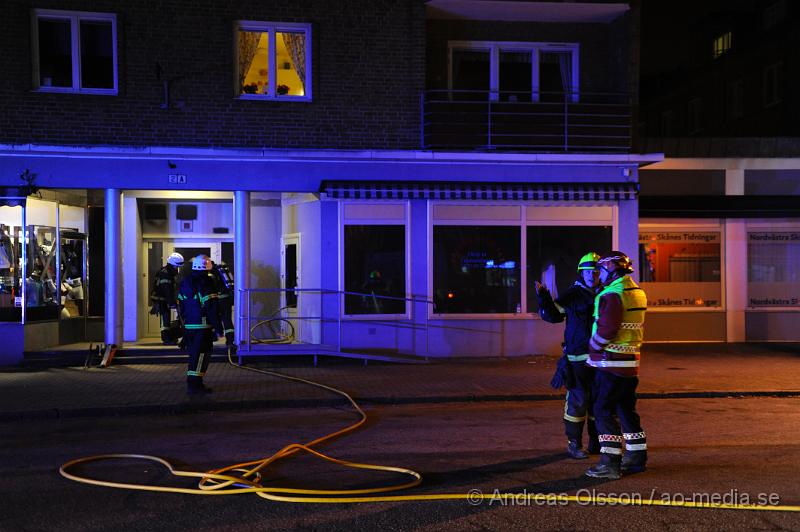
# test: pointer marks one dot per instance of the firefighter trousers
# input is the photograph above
(616, 418)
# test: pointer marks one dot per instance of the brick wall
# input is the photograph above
(368, 60)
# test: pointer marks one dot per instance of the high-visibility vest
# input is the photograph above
(621, 354)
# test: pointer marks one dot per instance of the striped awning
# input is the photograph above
(480, 191)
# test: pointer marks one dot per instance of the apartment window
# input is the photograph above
(735, 100)
(667, 123)
(514, 71)
(476, 269)
(773, 75)
(722, 44)
(774, 14)
(374, 269)
(273, 60)
(74, 52)
(553, 253)
(773, 269)
(693, 115)
(680, 268)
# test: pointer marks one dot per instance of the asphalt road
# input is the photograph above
(731, 449)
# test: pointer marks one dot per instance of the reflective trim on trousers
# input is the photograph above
(636, 446)
(610, 450)
(613, 363)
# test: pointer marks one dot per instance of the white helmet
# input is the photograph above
(201, 262)
(176, 259)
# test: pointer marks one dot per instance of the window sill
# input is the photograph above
(264, 97)
(70, 90)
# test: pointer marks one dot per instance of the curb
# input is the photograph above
(208, 405)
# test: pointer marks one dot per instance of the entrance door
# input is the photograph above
(156, 254)
(290, 279)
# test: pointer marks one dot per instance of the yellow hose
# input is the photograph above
(245, 477)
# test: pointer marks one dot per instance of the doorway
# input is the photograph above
(290, 279)
(156, 253)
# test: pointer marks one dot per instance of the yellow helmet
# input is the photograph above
(588, 261)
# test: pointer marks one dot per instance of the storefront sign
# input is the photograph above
(773, 237)
(687, 237)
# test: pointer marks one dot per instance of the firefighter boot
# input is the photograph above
(195, 386)
(634, 462)
(575, 451)
(607, 468)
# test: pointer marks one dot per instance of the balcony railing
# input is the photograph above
(525, 121)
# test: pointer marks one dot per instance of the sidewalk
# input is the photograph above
(676, 370)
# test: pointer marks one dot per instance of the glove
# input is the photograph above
(154, 310)
(560, 375)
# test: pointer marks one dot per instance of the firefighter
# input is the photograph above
(223, 277)
(614, 350)
(575, 306)
(163, 296)
(199, 304)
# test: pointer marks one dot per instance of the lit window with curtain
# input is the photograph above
(273, 60)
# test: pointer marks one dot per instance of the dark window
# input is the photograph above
(553, 254)
(476, 270)
(55, 53)
(515, 76)
(97, 55)
(374, 269)
(471, 73)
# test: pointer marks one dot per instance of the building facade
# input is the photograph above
(383, 177)
(719, 224)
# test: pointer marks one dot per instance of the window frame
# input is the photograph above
(559, 218)
(271, 28)
(535, 48)
(777, 226)
(651, 225)
(772, 73)
(74, 18)
(405, 222)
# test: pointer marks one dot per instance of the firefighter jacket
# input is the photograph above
(165, 285)
(576, 305)
(199, 302)
(618, 328)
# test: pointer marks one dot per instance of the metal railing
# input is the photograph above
(316, 324)
(525, 121)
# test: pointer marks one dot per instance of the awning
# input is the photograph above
(480, 191)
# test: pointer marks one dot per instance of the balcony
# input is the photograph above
(525, 121)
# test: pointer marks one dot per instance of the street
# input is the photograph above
(734, 448)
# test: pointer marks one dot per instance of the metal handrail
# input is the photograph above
(585, 120)
(340, 294)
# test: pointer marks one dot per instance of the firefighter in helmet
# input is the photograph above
(223, 277)
(575, 306)
(163, 296)
(614, 351)
(199, 302)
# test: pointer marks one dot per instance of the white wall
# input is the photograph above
(132, 317)
(265, 258)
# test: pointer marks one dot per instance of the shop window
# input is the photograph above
(476, 269)
(273, 60)
(680, 268)
(10, 262)
(553, 254)
(773, 270)
(41, 281)
(75, 52)
(374, 269)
